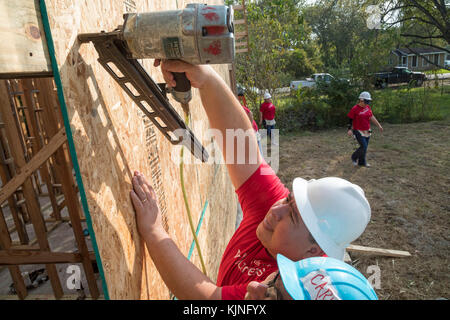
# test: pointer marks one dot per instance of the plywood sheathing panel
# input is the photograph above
(112, 140)
(23, 49)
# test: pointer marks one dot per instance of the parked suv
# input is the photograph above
(398, 75)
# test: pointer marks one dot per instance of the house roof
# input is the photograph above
(407, 51)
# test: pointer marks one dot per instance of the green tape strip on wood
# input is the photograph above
(70, 142)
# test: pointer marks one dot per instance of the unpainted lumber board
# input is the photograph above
(378, 251)
(16, 257)
(23, 49)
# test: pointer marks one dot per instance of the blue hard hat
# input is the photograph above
(323, 278)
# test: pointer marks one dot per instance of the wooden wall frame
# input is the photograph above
(49, 139)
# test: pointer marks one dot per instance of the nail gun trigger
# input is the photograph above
(163, 88)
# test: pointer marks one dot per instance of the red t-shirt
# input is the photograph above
(268, 110)
(361, 117)
(245, 259)
(255, 126)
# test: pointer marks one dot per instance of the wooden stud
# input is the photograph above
(44, 172)
(239, 35)
(241, 44)
(240, 21)
(15, 100)
(241, 50)
(32, 121)
(23, 49)
(16, 275)
(46, 99)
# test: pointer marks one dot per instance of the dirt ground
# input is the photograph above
(408, 187)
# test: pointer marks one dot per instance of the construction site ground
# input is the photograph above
(407, 186)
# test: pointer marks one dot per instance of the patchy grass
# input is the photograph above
(439, 71)
(403, 104)
(408, 189)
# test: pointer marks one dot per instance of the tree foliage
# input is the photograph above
(346, 39)
(424, 23)
(279, 47)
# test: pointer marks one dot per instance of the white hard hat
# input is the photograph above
(334, 210)
(365, 95)
(267, 95)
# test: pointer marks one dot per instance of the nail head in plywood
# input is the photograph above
(23, 49)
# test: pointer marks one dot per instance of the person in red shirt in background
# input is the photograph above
(267, 114)
(360, 117)
(317, 217)
(241, 98)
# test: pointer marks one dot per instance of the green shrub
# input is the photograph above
(321, 107)
(406, 105)
(327, 106)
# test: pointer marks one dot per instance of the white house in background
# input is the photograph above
(413, 58)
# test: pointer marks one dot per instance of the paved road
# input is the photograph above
(439, 76)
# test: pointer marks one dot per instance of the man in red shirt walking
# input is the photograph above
(318, 217)
(360, 117)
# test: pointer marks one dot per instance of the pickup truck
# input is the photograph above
(398, 75)
(311, 82)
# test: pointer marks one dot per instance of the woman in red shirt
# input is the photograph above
(360, 117)
(267, 114)
(318, 217)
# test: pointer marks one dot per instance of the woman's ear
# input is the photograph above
(314, 251)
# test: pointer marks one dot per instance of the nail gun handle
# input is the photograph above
(182, 82)
(182, 91)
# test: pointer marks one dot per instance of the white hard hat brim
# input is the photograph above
(300, 189)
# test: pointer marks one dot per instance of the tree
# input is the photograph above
(347, 41)
(423, 23)
(276, 42)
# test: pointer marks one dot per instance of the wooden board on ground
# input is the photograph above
(112, 139)
(378, 251)
(23, 49)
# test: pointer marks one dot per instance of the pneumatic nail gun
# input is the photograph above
(198, 34)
